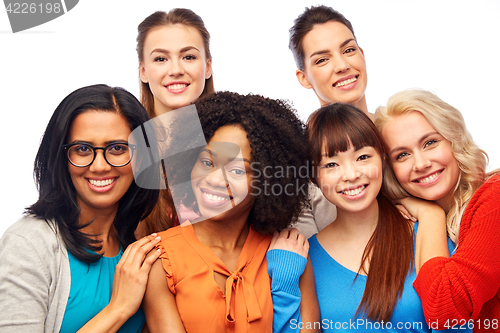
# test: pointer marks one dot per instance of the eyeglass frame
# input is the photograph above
(132, 147)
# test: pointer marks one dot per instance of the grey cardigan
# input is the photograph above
(34, 277)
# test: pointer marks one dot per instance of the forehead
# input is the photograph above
(397, 130)
(236, 135)
(173, 37)
(325, 36)
(97, 126)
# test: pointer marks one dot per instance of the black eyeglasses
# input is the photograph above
(83, 154)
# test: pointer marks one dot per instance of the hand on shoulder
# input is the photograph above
(290, 240)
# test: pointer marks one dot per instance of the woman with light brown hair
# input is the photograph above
(175, 69)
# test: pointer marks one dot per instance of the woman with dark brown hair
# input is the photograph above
(175, 69)
(363, 261)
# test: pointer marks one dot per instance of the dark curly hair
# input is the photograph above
(279, 154)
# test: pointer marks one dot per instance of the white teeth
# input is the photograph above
(177, 86)
(429, 178)
(355, 191)
(346, 82)
(215, 197)
(101, 183)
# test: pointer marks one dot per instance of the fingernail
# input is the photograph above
(158, 250)
(154, 234)
(158, 238)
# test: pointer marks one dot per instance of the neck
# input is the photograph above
(102, 228)
(446, 202)
(224, 235)
(160, 108)
(361, 104)
(358, 224)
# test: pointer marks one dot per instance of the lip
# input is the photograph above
(354, 197)
(349, 86)
(214, 203)
(430, 183)
(179, 90)
(101, 189)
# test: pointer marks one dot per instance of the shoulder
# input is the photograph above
(492, 184)
(488, 195)
(170, 233)
(43, 236)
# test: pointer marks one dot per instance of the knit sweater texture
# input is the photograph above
(466, 286)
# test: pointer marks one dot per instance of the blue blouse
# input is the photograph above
(340, 292)
(90, 292)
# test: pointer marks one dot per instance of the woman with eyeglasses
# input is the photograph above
(72, 262)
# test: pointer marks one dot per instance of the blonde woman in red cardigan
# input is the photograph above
(434, 158)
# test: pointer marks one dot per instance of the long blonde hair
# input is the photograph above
(448, 122)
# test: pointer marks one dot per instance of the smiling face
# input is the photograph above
(422, 159)
(351, 180)
(175, 66)
(221, 176)
(334, 65)
(99, 186)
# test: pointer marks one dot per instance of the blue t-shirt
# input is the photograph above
(90, 292)
(339, 295)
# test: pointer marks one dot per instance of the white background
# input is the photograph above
(449, 47)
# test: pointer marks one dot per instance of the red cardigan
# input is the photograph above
(466, 286)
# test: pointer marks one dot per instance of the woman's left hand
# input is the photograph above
(290, 240)
(414, 209)
(129, 286)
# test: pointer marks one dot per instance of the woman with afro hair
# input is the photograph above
(231, 269)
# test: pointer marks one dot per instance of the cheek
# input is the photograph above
(402, 172)
(128, 173)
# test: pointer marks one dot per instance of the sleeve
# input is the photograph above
(24, 286)
(167, 267)
(457, 287)
(285, 269)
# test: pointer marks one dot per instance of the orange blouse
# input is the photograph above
(203, 307)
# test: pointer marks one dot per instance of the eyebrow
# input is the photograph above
(234, 159)
(105, 143)
(347, 41)
(184, 49)
(425, 136)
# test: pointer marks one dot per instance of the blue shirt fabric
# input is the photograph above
(285, 268)
(339, 295)
(91, 288)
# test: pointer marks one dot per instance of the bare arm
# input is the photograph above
(431, 238)
(159, 303)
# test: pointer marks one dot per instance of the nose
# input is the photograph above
(420, 161)
(351, 173)
(100, 164)
(175, 68)
(217, 178)
(341, 64)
